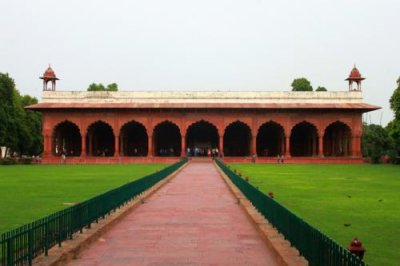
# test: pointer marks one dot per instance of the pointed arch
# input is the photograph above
(100, 139)
(304, 139)
(270, 139)
(133, 139)
(337, 139)
(202, 135)
(167, 139)
(237, 139)
(66, 139)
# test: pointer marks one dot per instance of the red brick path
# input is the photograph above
(193, 220)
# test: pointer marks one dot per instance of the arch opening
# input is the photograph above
(201, 137)
(270, 140)
(100, 140)
(133, 139)
(237, 138)
(304, 140)
(67, 139)
(337, 140)
(167, 139)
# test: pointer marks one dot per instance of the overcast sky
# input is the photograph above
(203, 45)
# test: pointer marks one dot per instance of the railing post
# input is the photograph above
(46, 238)
(59, 229)
(30, 246)
(10, 255)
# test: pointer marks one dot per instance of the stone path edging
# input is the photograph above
(285, 253)
(71, 248)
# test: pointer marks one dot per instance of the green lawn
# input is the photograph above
(328, 196)
(29, 192)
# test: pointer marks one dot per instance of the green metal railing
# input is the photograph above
(20, 246)
(316, 247)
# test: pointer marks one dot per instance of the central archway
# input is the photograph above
(304, 140)
(67, 139)
(202, 136)
(167, 139)
(134, 139)
(271, 139)
(100, 139)
(237, 138)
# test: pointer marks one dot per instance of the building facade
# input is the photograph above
(114, 127)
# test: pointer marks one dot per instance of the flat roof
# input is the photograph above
(202, 100)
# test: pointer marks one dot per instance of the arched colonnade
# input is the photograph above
(237, 139)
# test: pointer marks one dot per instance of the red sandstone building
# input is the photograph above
(113, 127)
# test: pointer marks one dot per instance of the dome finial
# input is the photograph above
(49, 75)
(355, 76)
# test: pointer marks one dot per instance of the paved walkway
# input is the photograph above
(193, 220)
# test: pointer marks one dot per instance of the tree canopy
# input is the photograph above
(320, 88)
(375, 142)
(301, 84)
(395, 100)
(20, 129)
(101, 87)
(393, 128)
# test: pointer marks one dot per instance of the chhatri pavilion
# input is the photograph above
(147, 126)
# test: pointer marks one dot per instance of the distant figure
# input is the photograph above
(64, 158)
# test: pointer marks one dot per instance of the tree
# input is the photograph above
(20, 129)
(8, 113)
(33, 122)
(301, 84)
(395, 100)
(375, 142)
(96, 87)
(101, 87)
(393, 130)
(321, 89)
(112, 87)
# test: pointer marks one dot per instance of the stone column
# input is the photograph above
(221, 144)
(183, 152)
(150, 146)
(90, 139)
(314, 140)
(83, 147)
(253, 145)
(287, 146)
(116, 146)
(356, 143)
(47, 147)
(320, 146)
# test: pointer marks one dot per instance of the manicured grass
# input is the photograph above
(365, 197)
(34, 191)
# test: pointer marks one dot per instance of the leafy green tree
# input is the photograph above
(301, 84)
(393, 129)
(395, 100)
(96, 87)
(112, 87)
(8, 113)
(101, 87)
(375, 142)
(33, 121)
(321, 89)
(20, 129)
